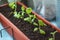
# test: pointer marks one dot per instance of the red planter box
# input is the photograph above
(17, 33)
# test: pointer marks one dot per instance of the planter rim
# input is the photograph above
(38, 16)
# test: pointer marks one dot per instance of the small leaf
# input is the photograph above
(34, 23)
(15, 12)
(35, 29)
(28, 10)
(17, 15)
(32, 20)
(41, 23)
(12, 5)
(22, 8)
(50, 38)
(23, 13)
(53, 32)
(34, 16)
(31, 15)
(27, 19)
(42, 31)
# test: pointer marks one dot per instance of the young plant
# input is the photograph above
(22, 14)
(29, 10)
(53, 34)
(17, 15)
(12, 5)
(31, 19)
(40, 23)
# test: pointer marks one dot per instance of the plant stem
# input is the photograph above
(54, 35)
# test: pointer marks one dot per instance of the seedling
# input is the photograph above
(22, 14)
(53, 34)
(31, 19)
(12, 5)
(41, 23)
(17, 15)
(28, 11)
(22, 8)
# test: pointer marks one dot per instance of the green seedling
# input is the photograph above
(17, 15)
(42, 32)
(28, 11)
(35, 29)
(41, 23)
(34, 23)
(22, 8)
(53, 34)
(31, 19)
(51, 39)
(12, 5)
(28, 19)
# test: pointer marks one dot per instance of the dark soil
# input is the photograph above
(26, 27)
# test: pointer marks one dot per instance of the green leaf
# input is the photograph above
(50, 38)
(31, 15)
(27, 19)
(42, 31)
(34, 16)
(15, 12)
(35, 29)
(23, 13)
(53, 32)
(28, 10)
(12, 5)
(17, 15)
(22, 8)
(41, 23)
(34, 23)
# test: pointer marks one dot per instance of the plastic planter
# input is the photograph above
(17, 33)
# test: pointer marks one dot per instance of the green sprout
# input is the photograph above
(17, 15)
(22, 8)
(53, 34)
(42, 32)
(22, 14)
(12, 5)
(28, 11)
(41, 23)
(31, 19)
(35, 29)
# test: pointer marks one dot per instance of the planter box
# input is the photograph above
(18, 34)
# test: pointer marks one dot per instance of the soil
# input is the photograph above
(26, 27)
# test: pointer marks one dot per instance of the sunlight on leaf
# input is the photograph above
(28, 10)
(35, 24)
(42, 31)
(22, 8)
(35, 29)
(50, 38)
(41, 23)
